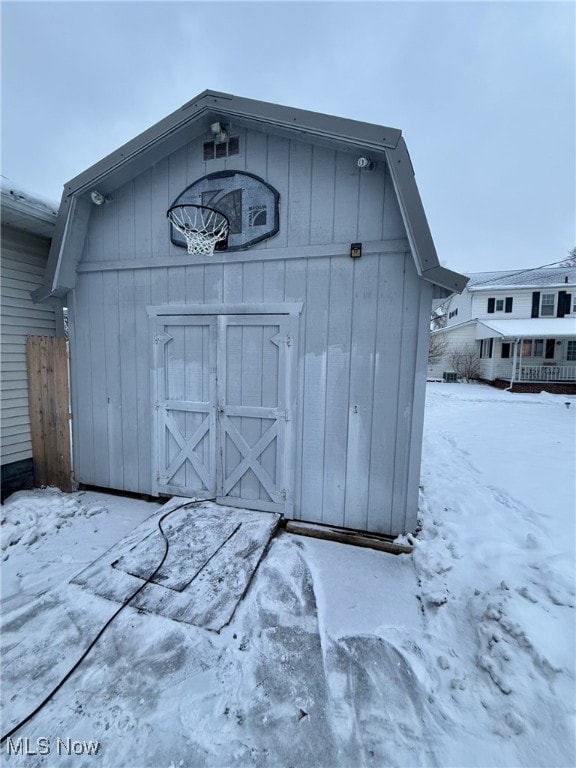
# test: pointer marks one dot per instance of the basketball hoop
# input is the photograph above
(202, 227)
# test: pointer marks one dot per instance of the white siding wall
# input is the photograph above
(461, 338)
(23, 263)
(462, 302)
(521, 304)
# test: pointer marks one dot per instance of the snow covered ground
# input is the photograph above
(461, 654)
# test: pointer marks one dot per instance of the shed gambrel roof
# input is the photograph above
(193, 120)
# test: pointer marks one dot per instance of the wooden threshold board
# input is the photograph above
(346, 536)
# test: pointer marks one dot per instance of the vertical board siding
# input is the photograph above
(143, 295)
(277, 174)
(337, 396)
(386, 382)
(361, 383)
(346, 195)
(126, 221)
(322, 203)
(83, 369)
(324, 198)
(353, 421)
(371, 215)
(299, 193)
(110, 307)
(160, 203)
(128, 356)
(315, 322)
(393, 223)
(96, 345)
(143, 215)
(359, 332)
(410, 330)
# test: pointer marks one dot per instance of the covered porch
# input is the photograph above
(538, 351)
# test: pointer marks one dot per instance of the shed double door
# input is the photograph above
(222, 415)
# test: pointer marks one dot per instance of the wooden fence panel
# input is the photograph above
(48, 403)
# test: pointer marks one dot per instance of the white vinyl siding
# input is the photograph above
(23, 264)
(462, 338)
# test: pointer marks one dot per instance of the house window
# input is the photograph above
(571, 351)
(527, 348)
(486, 346)
(547, 305)
(538, 348)
(500, 305)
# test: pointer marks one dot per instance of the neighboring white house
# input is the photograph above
(520, 324)
(27, 229)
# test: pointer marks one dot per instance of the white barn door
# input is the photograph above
(222, 409)
(185, 406)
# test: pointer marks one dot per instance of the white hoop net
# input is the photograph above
(202, 227)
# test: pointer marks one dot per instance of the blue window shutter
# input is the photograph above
(535, 303)
(491, 303)
(508, 305)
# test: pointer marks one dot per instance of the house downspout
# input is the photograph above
(509, 389)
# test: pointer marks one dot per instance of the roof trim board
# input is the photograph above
(178, 129)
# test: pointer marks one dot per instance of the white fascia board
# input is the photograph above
(527, 287)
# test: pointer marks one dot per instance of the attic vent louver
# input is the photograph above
(218, 149)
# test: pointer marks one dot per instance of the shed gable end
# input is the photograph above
(324, 198)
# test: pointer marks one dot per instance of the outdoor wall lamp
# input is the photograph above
(219, 131)
(98, 198)
(366, 164)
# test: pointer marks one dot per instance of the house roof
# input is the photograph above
(531, 328)
(25, 211)
(541, 277)
(192, 120)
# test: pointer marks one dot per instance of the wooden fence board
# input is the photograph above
(47, 369)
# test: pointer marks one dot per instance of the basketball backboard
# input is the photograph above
(249, 203)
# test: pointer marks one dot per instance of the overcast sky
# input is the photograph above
(484, 94)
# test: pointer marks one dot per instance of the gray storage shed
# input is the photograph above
(287, 370)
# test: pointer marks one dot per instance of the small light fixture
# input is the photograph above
(219, 131)
(366, 164)
(355, 250)
(97, 197)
